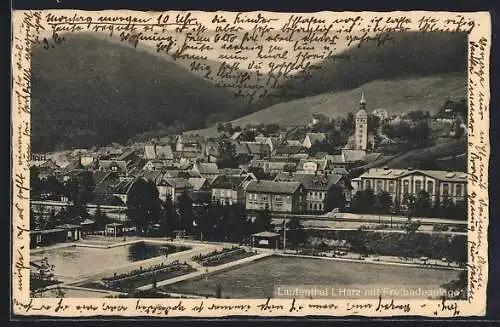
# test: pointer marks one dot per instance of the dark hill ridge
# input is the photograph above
(90, 91)
(407, 54)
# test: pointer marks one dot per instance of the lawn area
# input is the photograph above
(258, 279)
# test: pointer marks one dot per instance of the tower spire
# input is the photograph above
(363, 99)
(362, 102)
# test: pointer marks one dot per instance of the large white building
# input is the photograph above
(398, 182)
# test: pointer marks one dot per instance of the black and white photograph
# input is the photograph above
(254, 155)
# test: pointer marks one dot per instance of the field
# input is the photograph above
(258, 279)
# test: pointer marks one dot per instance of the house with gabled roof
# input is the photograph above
(230, 189)
(312, 138)
(317, 187)
(158, 152)
(284, 197)
(206, 169)
(173, 187)
(117, 166)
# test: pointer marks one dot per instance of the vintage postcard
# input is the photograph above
(211, 164)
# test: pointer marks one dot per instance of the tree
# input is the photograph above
(335, 139)
(71, 189)
(448, 208)
(263, 221)
(101, 219)
(86, 186)
(412, 226)
(235, 222)
(373, 123)
(334, 198)
(418, 115)
(364, 201)
(422, 206)
(185, 204)
(409, 202)
(420, 134)
(168, 217)
(270, 129)
(227, 154)
(35, 183)
(320, 146)
(347, 124)
(247, 135)
(383, 202)
(143, 204)
(295, 232)
(461, 209)
(54, 187)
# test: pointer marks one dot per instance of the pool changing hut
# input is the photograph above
(114, 229)
(266, 240)
(73, 232)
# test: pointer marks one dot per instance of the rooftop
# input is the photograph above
(266, 234)
(264, 186)
(311, 181)
(207, 168)
(316, 137)
(382, 173)
(228, 182)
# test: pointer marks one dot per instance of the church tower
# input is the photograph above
(361, 126)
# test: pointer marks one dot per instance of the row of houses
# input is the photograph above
(295, 181)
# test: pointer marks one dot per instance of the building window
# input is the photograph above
(430, 187)
(446, 189)
(368, 184)
(458, 190)
(310, 206)
(379, 185)
(315, 206)
(391, 186)
(418, 186)
(406, 187)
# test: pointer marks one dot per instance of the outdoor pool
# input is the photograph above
(258, 279)
(75, 261)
